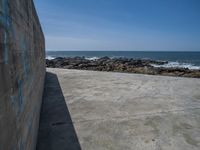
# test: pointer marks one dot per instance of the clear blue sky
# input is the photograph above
(120, 24)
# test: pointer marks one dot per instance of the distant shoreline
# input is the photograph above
(126, 65)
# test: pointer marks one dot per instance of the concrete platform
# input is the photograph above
(87, 110)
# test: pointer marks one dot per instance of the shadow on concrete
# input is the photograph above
(56, 131)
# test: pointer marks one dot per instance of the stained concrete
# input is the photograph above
(114, 111)
(22, 73)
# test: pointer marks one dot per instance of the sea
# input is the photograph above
(190, 60)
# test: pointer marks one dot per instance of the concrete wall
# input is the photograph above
(22, 71)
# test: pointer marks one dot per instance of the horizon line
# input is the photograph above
(122, 50)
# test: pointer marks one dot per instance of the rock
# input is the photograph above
(104, 58)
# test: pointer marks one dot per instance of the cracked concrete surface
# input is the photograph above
(118, 111)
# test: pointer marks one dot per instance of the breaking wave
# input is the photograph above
(178, 65)
(50, 57)
(92, 58)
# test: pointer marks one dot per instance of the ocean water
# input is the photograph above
(189, 60)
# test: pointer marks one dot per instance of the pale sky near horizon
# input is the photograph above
(164, 25)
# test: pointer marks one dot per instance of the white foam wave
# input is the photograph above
(92, 58)
(178, 65)
(49, 57)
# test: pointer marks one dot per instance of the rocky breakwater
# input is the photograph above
(121, 65)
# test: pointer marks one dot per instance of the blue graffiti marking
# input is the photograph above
(20, 96)
(4, 18)
(5, 21)
(25, 61)
(6, 48)
(21, 145)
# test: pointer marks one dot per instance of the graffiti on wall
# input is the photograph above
(5, 23)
